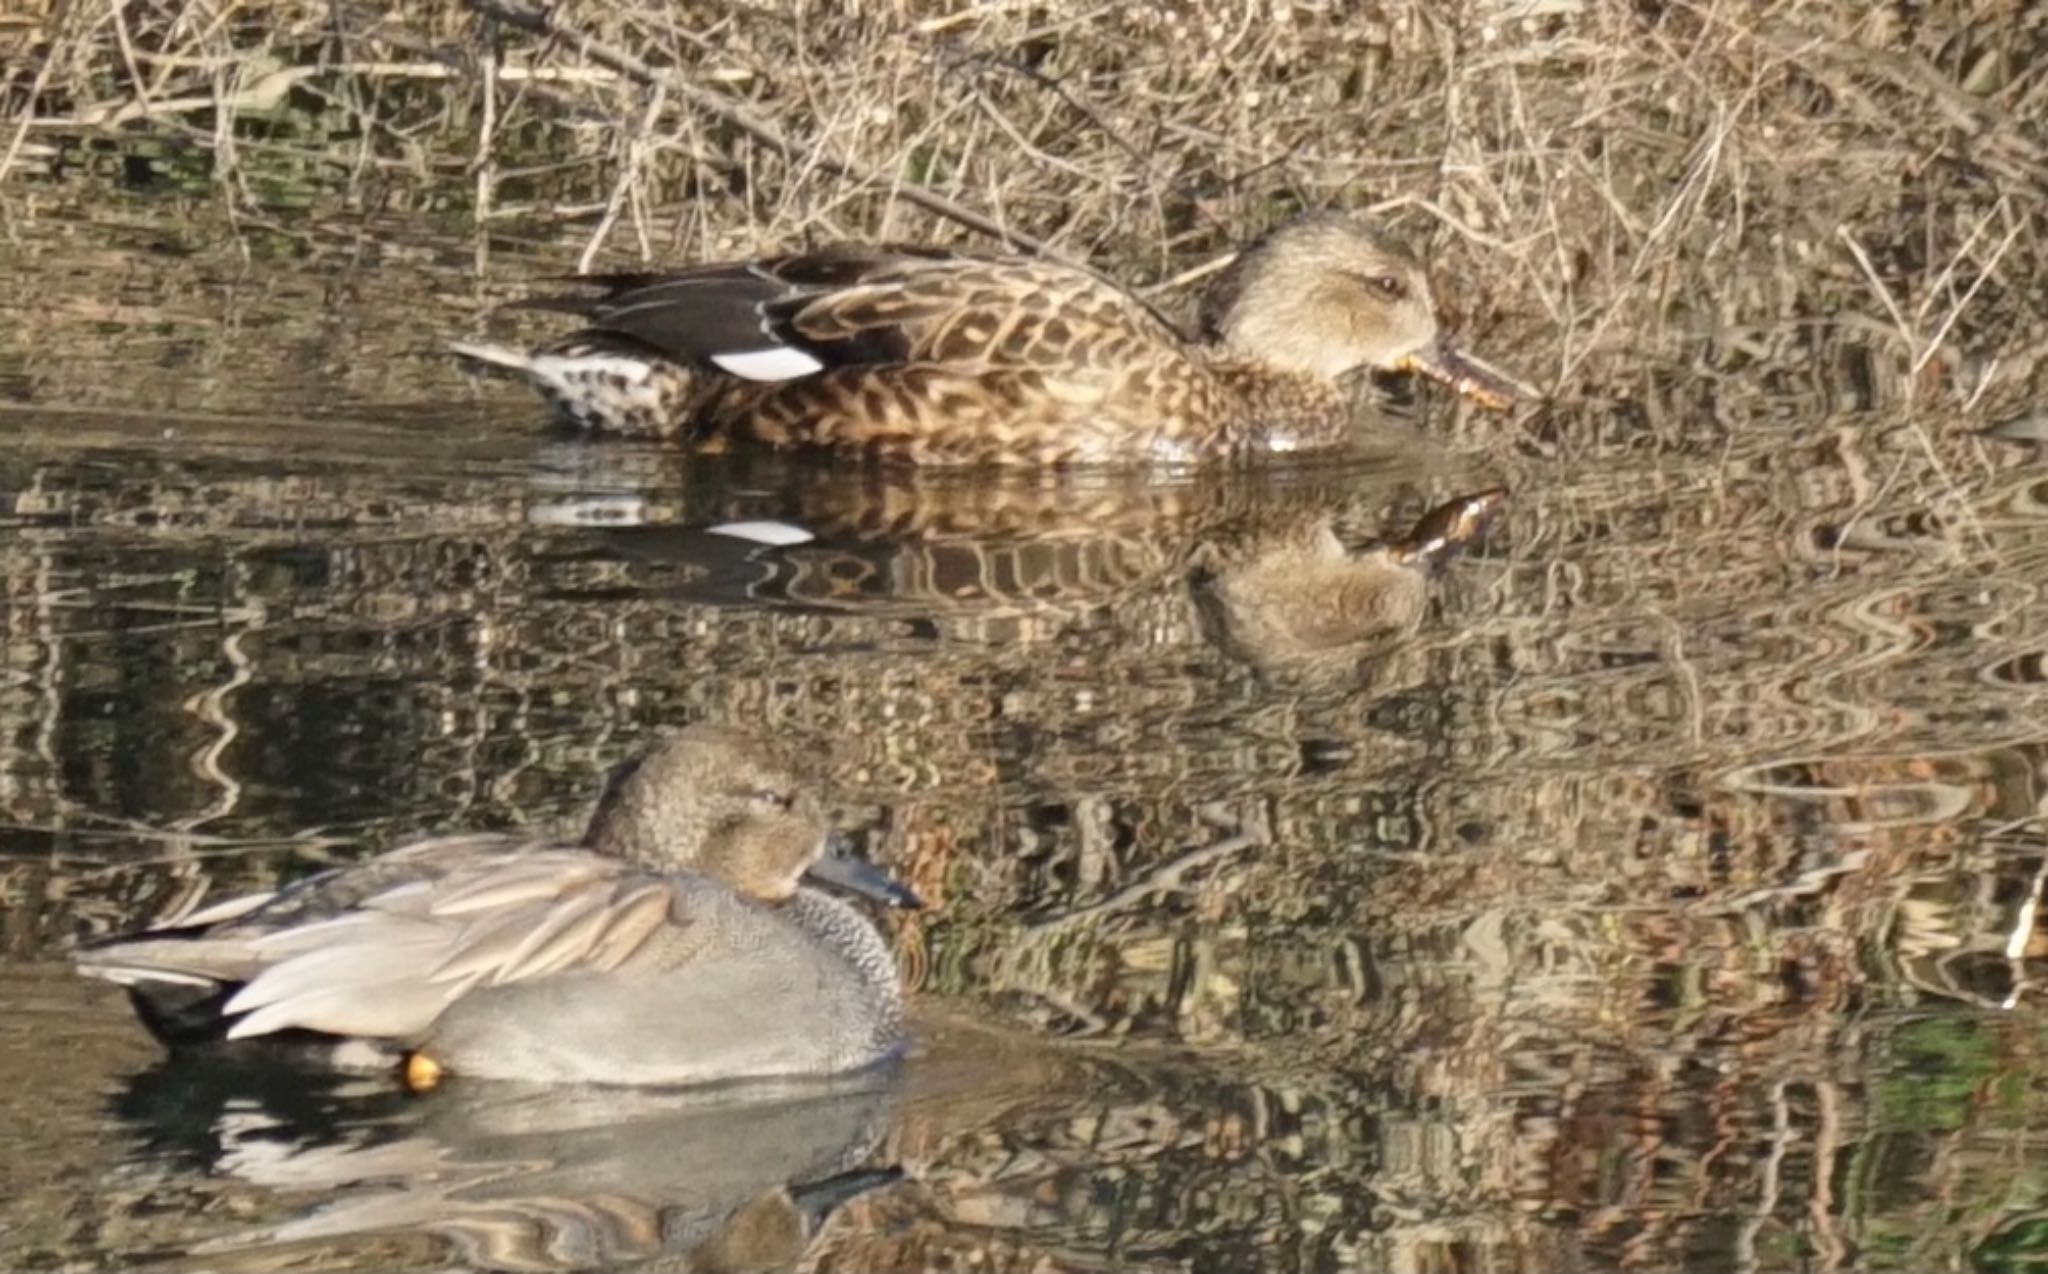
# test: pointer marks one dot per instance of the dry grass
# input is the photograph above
(1614, 192)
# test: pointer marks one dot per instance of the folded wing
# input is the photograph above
(854, 305)
(379, 949)
(388, 967)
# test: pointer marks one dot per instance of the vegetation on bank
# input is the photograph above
(1611, 190)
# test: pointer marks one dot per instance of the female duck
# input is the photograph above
(937, 357)
(676, 945)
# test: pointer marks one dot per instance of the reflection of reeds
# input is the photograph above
(1638, 813)
(1644, 813)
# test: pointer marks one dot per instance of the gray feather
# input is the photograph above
(634, 919)
(559, 940)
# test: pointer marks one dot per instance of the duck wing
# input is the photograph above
(868, 305)
(387, 966)
(378, 948)
(211, 944)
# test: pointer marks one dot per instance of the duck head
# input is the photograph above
(1327, 296)
(732, 806)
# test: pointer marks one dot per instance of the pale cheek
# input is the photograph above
(1378, 337)
(1400, 334)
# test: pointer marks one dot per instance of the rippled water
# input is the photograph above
(1667, 898)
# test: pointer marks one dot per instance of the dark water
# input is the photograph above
(1666, 896)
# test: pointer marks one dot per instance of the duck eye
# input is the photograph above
(1388, 286)
(773, 800)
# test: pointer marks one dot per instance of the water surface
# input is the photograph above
(1668, 898)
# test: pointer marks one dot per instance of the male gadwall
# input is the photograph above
(677, 944)
(939, 357)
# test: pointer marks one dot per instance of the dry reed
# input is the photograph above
(1615, 193)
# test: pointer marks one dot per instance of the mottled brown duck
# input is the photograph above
(930, 356)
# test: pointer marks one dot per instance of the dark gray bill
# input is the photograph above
(817, 1199)
(1451, 527)
(1443, 362)
(843, 871)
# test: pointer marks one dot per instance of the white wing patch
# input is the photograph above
(490, 355)
(773, 534)
(777, 362)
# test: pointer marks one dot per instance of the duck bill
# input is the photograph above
(1451, 527)
(841, 870)
(1442, 362)
(819, 1199)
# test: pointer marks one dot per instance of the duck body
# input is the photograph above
(673, 947)
(723, 987)
(938, 357)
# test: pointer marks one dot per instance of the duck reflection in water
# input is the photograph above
(1309, 604)
(678, 944)
(1275, 569)
(515, 1177)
